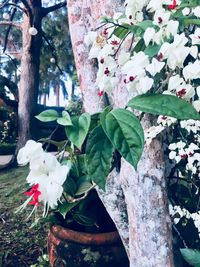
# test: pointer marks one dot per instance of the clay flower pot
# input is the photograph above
(73, 249)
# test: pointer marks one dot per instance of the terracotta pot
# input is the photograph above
(69, 248)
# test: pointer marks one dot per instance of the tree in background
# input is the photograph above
(29, 21)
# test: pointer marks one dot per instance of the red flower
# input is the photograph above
(100, 93)
(173, 6)
(181, 93)
(34, 192)
(114, 42)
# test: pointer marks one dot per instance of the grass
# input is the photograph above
(19, 245)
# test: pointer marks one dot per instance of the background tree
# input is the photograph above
(30, 24)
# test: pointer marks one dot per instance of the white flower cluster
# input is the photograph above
(46, 175)
(177, 213)
(160, 56)
(137, 69)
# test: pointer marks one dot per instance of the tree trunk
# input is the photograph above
(146, 231)
(29, 78)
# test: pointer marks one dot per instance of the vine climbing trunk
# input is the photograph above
(136, 201)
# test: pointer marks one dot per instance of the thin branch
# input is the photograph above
(4, 4)
(11, 23)
(52, 51)
(28, 8)
(47, 10)
(9, 29)
(17, 6)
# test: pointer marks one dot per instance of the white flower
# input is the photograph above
(172, 28)
(29, 152)
(90, 38)
(194, 51)
(155, 67)
(161, 17)
(192, 70)
(144, 85)
(172, 155)
(196, 11)
(195, 37)
(186, 11)
(166, 120)
(149, 35)
(152, 132)
(50, 175)
(123, 57)
(33, 31)
(174, 82)
(176, 52)
(196, 105)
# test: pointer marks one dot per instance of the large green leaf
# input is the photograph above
(66, 207)
(65, 120)
(192, 256)
(48, 115)
(125, 132)
(167, 105)
(99, 152)
(79, 130)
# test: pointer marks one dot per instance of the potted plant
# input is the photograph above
(81, 232)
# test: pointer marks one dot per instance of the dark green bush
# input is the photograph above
(7, 149)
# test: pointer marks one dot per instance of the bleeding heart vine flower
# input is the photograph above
(46, 176)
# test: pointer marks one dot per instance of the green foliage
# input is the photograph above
(66, 207)
(79, 130)
(65, 120)
(152, 50)
(167, 105)
(192, 256)
(120, 32)
(99, 152)
(48, 115)
(7, 149)
(125, 133)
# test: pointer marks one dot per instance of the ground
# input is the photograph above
(20, 246)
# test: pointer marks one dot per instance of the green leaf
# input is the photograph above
(48, 115)
(79, 130)
(66, 207)
(192, 256)
(146, 24)
(167, 105)
(140, 46)
(152, 50)
(99, 152)
(70, 186)
(83, 219)
(125, 132)
(65, 120)
(83, 188)
(120, 32)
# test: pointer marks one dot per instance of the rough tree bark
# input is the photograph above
(29, 78)
(141, 195)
